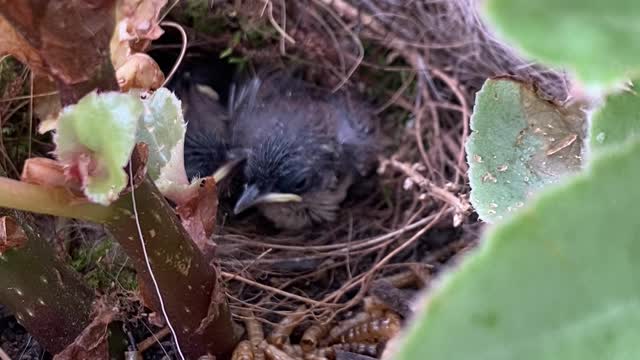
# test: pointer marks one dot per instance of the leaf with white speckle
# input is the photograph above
(519, 144)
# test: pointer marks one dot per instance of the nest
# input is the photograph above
(420, 63)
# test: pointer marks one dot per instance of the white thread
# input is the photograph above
(146, 259)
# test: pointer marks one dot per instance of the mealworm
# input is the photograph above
(312, 336)
(243, 351)
(343, 326)
(330, 351)
(273, 353)
(292, 350)
(255, 335)
(375, 330)
(283, 330)
(373, 305)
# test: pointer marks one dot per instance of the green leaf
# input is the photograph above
(557, 281)
(598, 39)
(616, 121)
(520, 144)
(95, 138)
(162, 128)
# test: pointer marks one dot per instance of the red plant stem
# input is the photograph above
(188, 283)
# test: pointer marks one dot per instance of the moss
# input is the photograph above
(243, 34)
(10, 70)
(103, 267)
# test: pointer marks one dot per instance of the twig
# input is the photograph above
(358, 43)
(268, 5)
(332, 248)
(153, 339)
(425, 184)
(396, 95)
(183, 50)
(26, 97)
(453, 85)
(230, 277)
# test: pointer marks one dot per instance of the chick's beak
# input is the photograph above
(252, 196)
(247, 199)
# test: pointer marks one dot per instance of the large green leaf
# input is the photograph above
(598, 39)
(519, 144)
(95, 138)
(616, 121)
(557, 281)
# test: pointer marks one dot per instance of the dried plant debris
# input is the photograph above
(93, 342)
(86, 31)
(139, 71)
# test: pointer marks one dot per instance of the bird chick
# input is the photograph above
(304, 146)
(206, 145)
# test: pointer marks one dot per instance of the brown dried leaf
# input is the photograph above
(11, 235)
(216, 300)
(49, 36)
(137, 25)
(14, 44)
(139, 71)
(198, 213)
(51, 173)
(141, 19)
(93, 341)
(44, 171)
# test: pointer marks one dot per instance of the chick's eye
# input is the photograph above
(300, 184)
